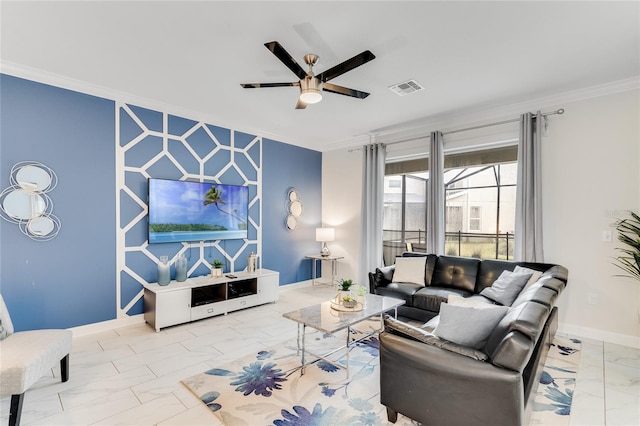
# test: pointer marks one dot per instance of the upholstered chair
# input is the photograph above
(26, 356)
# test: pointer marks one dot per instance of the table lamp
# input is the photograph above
(323, 235)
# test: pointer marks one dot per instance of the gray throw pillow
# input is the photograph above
(468, 326)
(506, 288)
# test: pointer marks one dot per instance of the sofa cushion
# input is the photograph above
(404, 291)
(535, 275)
(430, 264)
(468, 326)
(407, 330)
(527, 318)
(456, 272)
(506, 288)
(430, 298)
(410, 270)
(538, 292)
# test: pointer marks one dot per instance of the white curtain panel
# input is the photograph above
(372, 209)
(528, 232)
(435, 197)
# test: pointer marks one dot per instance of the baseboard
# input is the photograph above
(605, 336)
(100, 327)
(294, 286)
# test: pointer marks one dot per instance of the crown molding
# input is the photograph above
(487, 114)
(477, 115)
(52, 79)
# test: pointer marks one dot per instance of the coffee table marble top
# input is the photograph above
(323, 318)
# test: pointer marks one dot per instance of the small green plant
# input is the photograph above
(345, 285)
(217, 264)
(629, 235)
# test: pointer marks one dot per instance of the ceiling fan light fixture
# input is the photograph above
(310, 96)
(310, 90)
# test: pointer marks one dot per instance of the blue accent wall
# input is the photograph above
(68, 281)
(286, 167)
(72, 280)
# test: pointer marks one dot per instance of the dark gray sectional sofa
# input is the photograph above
(439, 382)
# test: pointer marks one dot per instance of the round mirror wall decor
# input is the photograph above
(26, 203)
(294, 209)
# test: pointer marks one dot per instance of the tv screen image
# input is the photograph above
(181, 211)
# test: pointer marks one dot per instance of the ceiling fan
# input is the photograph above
(311, 85)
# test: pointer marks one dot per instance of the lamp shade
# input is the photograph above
(325, 234)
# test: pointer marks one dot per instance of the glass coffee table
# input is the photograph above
(323, 317)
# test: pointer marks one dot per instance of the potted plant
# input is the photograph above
(629, 235)
(344, 290)
(216, 268)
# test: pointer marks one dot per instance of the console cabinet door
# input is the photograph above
(173, 307)
(268, 288)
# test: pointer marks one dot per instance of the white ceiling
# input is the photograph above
(192, 56)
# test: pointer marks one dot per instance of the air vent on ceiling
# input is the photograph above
(406, 87)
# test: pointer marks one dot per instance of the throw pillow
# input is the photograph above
(506, 288)
(472, 302)
(468, 326)
(409, 270)
(535, 275)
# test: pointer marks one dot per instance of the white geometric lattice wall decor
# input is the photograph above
(159, 145)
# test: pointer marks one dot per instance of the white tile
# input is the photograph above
(159, 386)
(195, 416)
(622, 378)
(590, 379)
(93, 411)
(623, 409)
(622, 355)
(137, 360)
(94, 390)
(587, 409)
(34, 409)
(149, 413)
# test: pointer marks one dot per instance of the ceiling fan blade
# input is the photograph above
(300, 104)
(346, 66)
(277, 49)
(258, 85)
(333, 88)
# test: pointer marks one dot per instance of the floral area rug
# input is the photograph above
(552, 405)
(266, 388)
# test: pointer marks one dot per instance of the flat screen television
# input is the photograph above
(181, 211)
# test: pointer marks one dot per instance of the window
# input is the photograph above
(405, 213)
(474, 218)
(480, 192)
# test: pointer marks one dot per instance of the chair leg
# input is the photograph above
(15, 410)
(392, 415)
(64, 368)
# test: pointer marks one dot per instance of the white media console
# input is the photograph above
(203, 297)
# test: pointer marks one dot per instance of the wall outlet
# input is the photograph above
(592, 298)
(606, 236)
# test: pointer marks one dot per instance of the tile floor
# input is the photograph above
(131, 375)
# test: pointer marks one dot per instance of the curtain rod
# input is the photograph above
(559, 111)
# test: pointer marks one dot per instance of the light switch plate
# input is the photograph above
(606, 236)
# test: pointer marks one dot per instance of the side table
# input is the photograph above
(334, 268)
